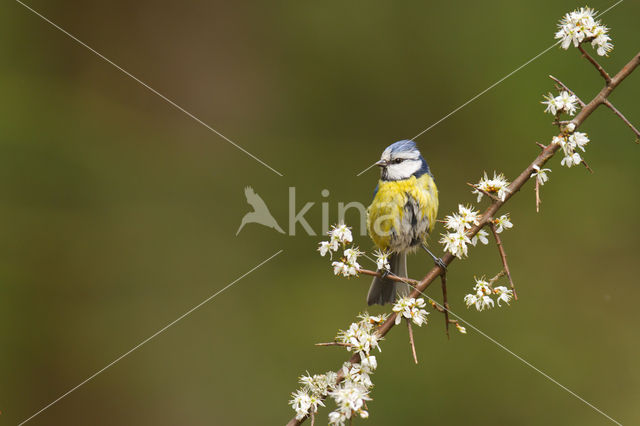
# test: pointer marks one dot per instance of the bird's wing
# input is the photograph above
(255, 200)
(375, 191)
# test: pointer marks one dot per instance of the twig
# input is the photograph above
(443, 278)
(334, 344)
(389, 276)
(437, 307)
(541, 145)
(595, 63)
(623, 118)
(497, 277)
(582, 104)
(538, 201)
(413, 344)
(493, 197)
(503, 256)
(546, 154)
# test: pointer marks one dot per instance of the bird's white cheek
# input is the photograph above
(403, 170)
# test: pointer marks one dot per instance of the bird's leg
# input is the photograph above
(384, 273)
(437, 260)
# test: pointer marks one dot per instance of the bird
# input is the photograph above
(401, 216)
(260, 213)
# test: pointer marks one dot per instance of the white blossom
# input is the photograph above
(570, 127)
(456, 243)
(602, 41)
(382, 260)
(302, 402)
(469, 215)
(570, 160)
(319, 384)
(504, 294)
(463, 220)
(325, 247)
(341, 233)
(480, 236)
(540, 174)
(578, 140)
(411, 309)
(581, 26)
(369, 363)
(454, 221)
(360, 337)
(497, 185)
(340, 268)
(481, 299)
(351, 255)
(461, 329)
(337, 418)
(356, 373)
(564, 102)
(502, 223)
(350, 398)
(372, 320)
(552, 106)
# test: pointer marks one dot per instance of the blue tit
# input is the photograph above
(402, 214)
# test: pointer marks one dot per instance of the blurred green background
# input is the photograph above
(120, 212)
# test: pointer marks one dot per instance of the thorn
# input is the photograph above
(413, 345)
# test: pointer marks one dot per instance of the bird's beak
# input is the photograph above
(382, 163)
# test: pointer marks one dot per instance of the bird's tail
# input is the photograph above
(384, 290)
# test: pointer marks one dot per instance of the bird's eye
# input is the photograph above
(397, 161)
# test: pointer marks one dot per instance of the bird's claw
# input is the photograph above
(384, 273)
(440, 263)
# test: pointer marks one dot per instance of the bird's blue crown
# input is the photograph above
(409, 146)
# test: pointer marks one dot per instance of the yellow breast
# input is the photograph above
(386, 222)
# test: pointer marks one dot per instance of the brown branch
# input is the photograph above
(595, 63)
(389, 276)
(412, 342)
(490, 212)
(503, 256)
(623, 118)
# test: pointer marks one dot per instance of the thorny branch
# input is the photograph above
(623, 118)
(595, 63)
(608, 103)
(546, 154)
(503, 256)
(412, 342)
